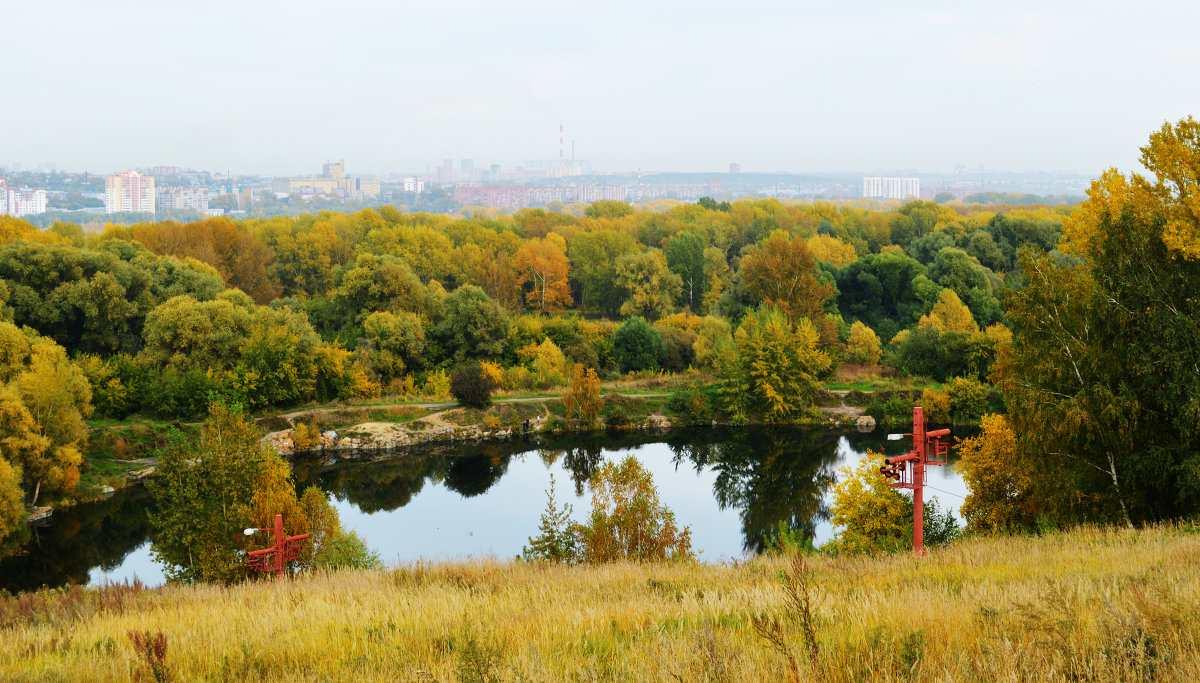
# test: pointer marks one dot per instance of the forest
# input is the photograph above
(1077, 322)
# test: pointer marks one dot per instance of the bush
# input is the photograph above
(346, 551)
(968, 399)
(638, 346)
(472, 386)
(690, 403)
(678, 353)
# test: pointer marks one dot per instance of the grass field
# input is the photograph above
(1084, 605)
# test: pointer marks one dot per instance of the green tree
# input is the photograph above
(397, 342)
(472, 326)
(558, 536)
(637, 346)
(204, 491)
(686, 258)
(594, 257)
(471, 386)
(879, 290)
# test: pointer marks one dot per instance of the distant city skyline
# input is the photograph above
(258, 88)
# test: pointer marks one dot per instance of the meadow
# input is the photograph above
(1088, 604)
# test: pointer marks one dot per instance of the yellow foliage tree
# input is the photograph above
(1173, 156)
(871, 516)
(997, 478)
(543, 267)
(547, 364)
(628, 522)
(12, 507)
(863, 344)
(949, 314)
(830, 249)
(582, 400)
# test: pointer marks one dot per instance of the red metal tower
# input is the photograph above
(274, 558)
(908, 471)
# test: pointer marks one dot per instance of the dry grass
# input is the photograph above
(1085, 605)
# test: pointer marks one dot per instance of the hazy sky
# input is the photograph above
(260, 86)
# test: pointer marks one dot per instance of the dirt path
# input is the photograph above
(848, 411)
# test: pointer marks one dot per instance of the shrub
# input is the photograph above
(638, 346)
(472, 386)
(968, 399)
(346, 550)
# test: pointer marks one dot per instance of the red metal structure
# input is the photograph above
(908, 471)
(274, 558)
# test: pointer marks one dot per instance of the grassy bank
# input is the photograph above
(1089, 604)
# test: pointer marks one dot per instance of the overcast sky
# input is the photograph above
(257, 86)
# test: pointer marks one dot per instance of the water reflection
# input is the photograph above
(768, 476)
(80, 539)
(733, 486)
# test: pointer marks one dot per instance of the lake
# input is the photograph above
(730, 485)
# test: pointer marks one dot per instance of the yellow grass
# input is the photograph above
(1089, 605)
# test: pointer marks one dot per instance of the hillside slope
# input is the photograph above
(1089, 604)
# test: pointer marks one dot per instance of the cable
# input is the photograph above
(951, 493)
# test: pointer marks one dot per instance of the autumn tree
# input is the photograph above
(543, 267)
(12, 504)
(863, 344)
(999, 481)
(949, 314)
(771, 367)
(650, 285)
(831, 250)
(582, 400)
(870, 515)
(628, 522)
(781, 273)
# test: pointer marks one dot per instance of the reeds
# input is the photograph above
(1090, 604)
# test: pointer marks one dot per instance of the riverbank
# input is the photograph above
(121, 453)
(1086, 604)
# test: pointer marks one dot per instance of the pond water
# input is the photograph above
(731, 486)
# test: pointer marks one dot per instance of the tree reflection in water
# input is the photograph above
(79, 539)
(768, 475)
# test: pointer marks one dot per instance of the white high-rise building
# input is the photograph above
(414, 183)
(891, 188)
(181, 198)
(129, 192)
(21, 202)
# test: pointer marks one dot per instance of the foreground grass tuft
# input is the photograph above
(1086, 605)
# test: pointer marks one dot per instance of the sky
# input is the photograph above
(272, 87)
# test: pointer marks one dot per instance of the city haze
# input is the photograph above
(256, 88)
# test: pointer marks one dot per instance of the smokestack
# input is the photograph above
(560, 144)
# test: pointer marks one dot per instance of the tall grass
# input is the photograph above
(1091, 604)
